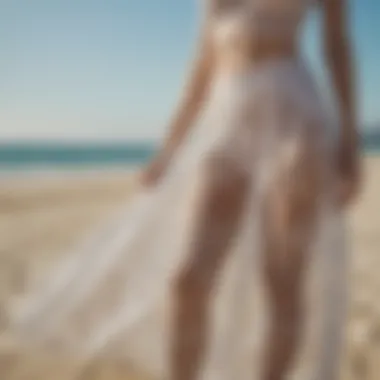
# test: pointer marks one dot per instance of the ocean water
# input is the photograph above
(26, 157)
(48, 157)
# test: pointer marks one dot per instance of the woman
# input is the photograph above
(256, 182)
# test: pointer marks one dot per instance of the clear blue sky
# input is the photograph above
(113, 69)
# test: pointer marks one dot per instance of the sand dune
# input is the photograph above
(40, 219)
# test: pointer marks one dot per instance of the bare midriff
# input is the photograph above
(240, 62)
(262, 40)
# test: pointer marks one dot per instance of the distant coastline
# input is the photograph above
(53, 154)
(48, 156)
(371, 140)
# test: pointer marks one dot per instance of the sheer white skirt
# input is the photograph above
(112, 295)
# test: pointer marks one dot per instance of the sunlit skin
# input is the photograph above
(289, 207)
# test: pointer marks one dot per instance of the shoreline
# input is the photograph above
(65, 172)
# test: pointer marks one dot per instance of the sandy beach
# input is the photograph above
(41, 218)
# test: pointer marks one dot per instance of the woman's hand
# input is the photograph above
(349, 175)
(154, 172)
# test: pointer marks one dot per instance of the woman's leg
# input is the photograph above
(335, 302)
(289, 216)
(218, 212)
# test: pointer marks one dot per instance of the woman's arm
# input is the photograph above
(194, 93)
(189, 107)
(337, 43)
